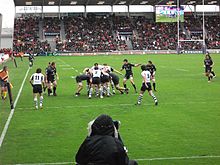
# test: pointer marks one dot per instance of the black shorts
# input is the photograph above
(208, 69)
(3, 83)
(50, 79)
(128, 75)
(96, 80)
(37, 88)
(78, 79)
(105, 78)
(144, 87)
(115, 81)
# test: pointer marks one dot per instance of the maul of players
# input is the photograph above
(129, 74)
(100, 78)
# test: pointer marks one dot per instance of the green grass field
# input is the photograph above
(164, 18)
(186, 122)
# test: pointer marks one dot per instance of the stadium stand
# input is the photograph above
(104, 33)
(26, 36)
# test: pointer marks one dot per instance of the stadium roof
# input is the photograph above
(110, 2)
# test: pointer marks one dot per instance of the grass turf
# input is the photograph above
(186, 122)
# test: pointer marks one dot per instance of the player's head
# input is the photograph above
(105, 64)
(207, 56)
(96, 64)
(53, 64)
(143, 67)
(125, 61)
(103, 125)
(49, 63)
(38, 70)
(149, 62)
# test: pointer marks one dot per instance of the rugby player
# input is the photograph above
(146, 85)
(31, 59)
(80, 78)
(37, 81)
(51, 77)
(152, 72)
(208, 63)
(96, 80)
(129, 74)
(46, 84)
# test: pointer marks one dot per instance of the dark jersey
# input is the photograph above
(115, 78)
(208, 62)
(30, 57)
(82, 77)
(51, 73)
(152, 68)
(128, 68)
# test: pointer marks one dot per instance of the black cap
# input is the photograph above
(103, 125)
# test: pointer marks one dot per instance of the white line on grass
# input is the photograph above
(180, 158)
(116, 105)
(183, 70)
(145, 159)
(12, 111)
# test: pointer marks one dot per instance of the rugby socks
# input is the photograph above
(125, 86)
(134, 87)
(140, 97)
(101, 92)
(154, 97)
(154, 86)
(108, 91)
(54, 90)
(36, 102)
(41, 101)
(213, 73)
(90, 92)
(49, 91)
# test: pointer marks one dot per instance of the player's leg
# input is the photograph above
(100, 86)
(153, 96)
(40, 91)
(140, 97)
(154, 83)
(79, 88)
(133, 84)
(4, 90)
(54, 88)
(124, 82)
(91, 90)
(49, 87)
(113, 86)
(35, 91)
(108, 88)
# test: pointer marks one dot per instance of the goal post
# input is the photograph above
(189, 44)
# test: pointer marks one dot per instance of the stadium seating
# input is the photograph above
(110, 33)
(26, 36)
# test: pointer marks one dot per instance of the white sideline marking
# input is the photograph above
(145, 159)
(180, 158)
(116, 105)
(184, 70)
(67, 68)
(12, 111)
(64, 65)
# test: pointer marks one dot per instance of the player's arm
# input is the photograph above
(137, 65)
(57, 76)
(122, 68)
(116, 71)
(31, 80)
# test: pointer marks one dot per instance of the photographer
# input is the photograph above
(103, 146)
